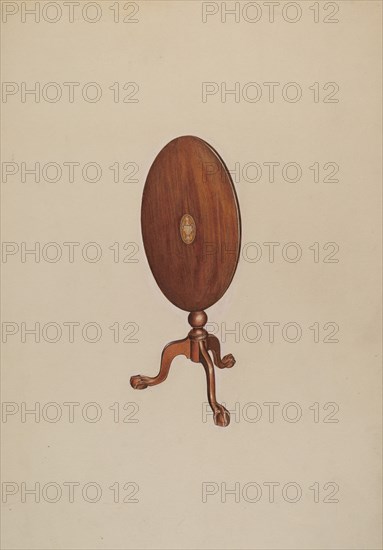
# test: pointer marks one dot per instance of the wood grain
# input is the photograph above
(189, 177)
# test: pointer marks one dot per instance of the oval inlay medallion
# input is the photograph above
(187, 228)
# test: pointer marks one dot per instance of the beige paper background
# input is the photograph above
(170, 452)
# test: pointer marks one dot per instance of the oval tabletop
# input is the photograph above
(190, 223)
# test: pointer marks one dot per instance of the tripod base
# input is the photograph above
(195, 346)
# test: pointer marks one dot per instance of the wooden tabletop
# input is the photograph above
(190, 223)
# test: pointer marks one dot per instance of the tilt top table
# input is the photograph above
(191, 230)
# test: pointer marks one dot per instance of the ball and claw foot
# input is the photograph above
(178, 347)
(139, 382)
(227, 362)
(221, 416)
